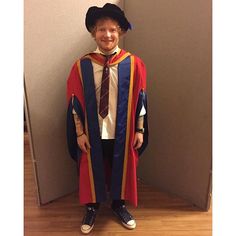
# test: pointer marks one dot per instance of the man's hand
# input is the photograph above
(83, 143)
(138, 140)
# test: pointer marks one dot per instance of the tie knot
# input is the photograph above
(108, 57)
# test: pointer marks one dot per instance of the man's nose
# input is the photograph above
(107, 33)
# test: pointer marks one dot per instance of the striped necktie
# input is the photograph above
(104, 95)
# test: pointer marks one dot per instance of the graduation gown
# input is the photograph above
(131, 97)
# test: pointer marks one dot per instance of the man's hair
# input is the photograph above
(94, 27)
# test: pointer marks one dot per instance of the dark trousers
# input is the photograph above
(108, 150)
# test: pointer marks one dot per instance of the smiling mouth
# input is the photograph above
(107, 41)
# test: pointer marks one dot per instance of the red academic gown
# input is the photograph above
(131, 97)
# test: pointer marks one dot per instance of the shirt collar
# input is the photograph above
(116, 50)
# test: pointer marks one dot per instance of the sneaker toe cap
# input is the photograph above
(85, 228)
(131, 223)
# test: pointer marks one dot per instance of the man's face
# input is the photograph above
(107, 34)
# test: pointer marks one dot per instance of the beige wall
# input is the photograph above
(173, 37)
(55, 36)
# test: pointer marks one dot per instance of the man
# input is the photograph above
(107, 117)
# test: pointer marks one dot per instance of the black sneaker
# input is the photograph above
(126, 218)
(88, 220)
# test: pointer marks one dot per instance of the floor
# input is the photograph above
(157, 214)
